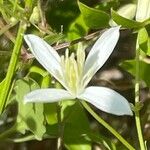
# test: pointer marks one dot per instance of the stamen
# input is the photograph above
(80, 58)
(87, 77)
(73, 69)
(62, 61)
(67, 53)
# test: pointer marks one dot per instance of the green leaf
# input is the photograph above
(76, 127)
(77, 29)
(77, 133)
(107, 5)
(130, 66)
(124, 22)
(38, 70)
(50, 112)
(30, 116)
(127, 11)
(78, 146)
(2, 84)
(144, 41)
(94, 18)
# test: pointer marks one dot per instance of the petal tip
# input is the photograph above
(27, 36)
(127, 111)
(130, 113)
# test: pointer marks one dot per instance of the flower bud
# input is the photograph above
(35, 16)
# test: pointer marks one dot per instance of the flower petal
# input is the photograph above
(106, 100)
(100, 52)
(46, 55)
(48, 95)
(143, 10)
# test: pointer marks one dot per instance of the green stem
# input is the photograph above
(107, 126)
(60, 128)
(137, 99)
(12, 66)
(8, 132)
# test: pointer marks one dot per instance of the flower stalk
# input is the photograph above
(60, 128)
(137, 99)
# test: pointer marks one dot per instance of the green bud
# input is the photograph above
(13, 20)
(138, 106)
(35, 16)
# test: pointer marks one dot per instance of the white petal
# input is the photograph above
(143, 10)
(106, 100)
(46, 55)
(48, 95)
(100, 52)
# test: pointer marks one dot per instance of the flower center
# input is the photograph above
(73, 69)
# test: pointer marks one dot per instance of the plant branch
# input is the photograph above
(137, 99)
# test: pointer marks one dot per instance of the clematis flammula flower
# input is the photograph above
(143, 10)
(75, 73)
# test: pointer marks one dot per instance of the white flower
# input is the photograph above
(143, 10)
(75, 74)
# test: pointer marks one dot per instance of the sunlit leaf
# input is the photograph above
(77, 29)
(38, 70)
(30, 116)
(126, 11)
(124, 22)
(2, 84)
(76, 127)
(144, 41)
(50, 112)
(94, 18)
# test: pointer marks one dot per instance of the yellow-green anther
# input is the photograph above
(76, 73)
(73, 68)
(62, 61)
(80, 58)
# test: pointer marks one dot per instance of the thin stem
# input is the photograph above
(8, 132)
(42, 14)
(137, 99)
(12, 66)
(107, 126)
(60, 128)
